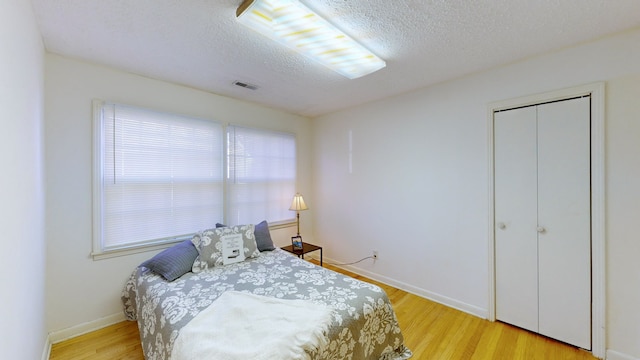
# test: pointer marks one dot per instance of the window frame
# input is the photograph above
(100, 252)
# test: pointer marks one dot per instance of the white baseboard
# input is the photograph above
(80, 329)
(614, 355)
(46, 352)
(468, 308)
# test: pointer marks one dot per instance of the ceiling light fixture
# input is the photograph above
(291, 23)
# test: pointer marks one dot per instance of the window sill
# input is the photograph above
(107, 254)
(112, 253)
(281, 224)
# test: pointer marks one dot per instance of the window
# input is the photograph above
(261, 175)
(160, 177)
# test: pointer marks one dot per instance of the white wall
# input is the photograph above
(418, 188)
(22, 259)
(623, 213)
(81, 290)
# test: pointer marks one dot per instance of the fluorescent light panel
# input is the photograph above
(291, 23)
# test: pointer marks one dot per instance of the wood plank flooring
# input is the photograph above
(431, 331)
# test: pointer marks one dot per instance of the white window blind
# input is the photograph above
(261, 176)
(160, 176)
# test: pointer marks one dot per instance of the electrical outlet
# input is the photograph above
(375, 254)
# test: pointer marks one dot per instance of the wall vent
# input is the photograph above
(245, 85)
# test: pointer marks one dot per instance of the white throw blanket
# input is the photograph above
(245, 326)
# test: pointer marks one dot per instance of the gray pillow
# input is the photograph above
(173, 262)
(262, 234)
(263, 237)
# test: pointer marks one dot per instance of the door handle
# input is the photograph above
(541, 229)
(502, 226)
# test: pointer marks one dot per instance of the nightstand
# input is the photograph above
(306, 248)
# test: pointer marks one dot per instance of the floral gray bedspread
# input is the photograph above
(364, 324)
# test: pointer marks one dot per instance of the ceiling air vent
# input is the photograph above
(245, 85)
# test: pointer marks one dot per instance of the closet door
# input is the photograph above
(516, 217)
(542, 213)
(564, 220)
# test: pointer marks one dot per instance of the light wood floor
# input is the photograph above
(431, 331)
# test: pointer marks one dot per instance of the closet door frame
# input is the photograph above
(596, 91)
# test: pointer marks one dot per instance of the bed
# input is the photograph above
(361, 322)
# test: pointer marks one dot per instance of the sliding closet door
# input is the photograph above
(564, 220)
(516, 215)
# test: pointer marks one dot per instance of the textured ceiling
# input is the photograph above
(199, 43)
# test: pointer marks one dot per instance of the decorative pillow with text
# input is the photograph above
(262, 234)
(223, 246)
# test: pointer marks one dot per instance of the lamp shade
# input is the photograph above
(298, 203)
